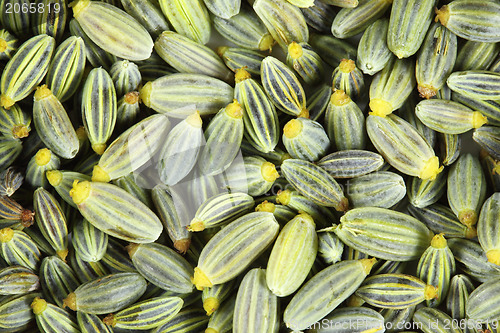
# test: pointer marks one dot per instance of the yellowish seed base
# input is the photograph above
(368, 264)
(266, 43)
(131, 97)
(295, 50)
(339, 98)
(81, 133)
(241, 75)
(38, 305)
(100, 175)
(221, 50)
(442, 15)
(20, 131)
(439, 242)
(471, 233)
(304, 114)
(234, 110)
(430, 292)
(54, 177)
(99, 148)
(292, 129)
(194, 120)
(210, 305)
(200, 280)
(70, 301)
(62, 254)
(80, 191)
(493, 256)
(42, 157)
(431, 169)
(468, 217)
(269, 173)
(347, 65)
(131, 249)
(211, 330)
(196, 225)
(426, 91)
(42, 92)
(343, 205)
(3, 45)
(6, 235)
(265, 206)
(145, 94)
(478, 119)
(283, 197)
(380, 107)
(6, 102)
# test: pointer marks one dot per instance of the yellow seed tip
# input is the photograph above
(211, 330)
(70, 301)
(6, 235)
(80, 191)
(367, 264)
(439, 242)
(196, 225)
(81, 133)
(343, 205)
(54, 177)
(145, 94)
(430, 169)
(20, 131)
(471, 233)
(430, 292)
(194, 120)
(269, 173)
(221, 50)
(467, 217)
(283, 197)
(234, 110)
(442, 15)
(100, 175)
(426, 91)
(210, 305)
(266, 42)
(109, 320)
(38, 305)
(295, 50)
(355, 301)
(62, 254)
(347, 65)
(380, 107)
(339, 98)
(493, 256)
(43, 157)
(131, 249)
(200, 280)
(292, 129)
(42, 92)
(99, 148)
(265, 206)
(3, 45)
(78, 6)
(478, 119)
(6, 102)
(241, 75)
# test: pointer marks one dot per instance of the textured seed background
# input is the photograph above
(155, 178)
